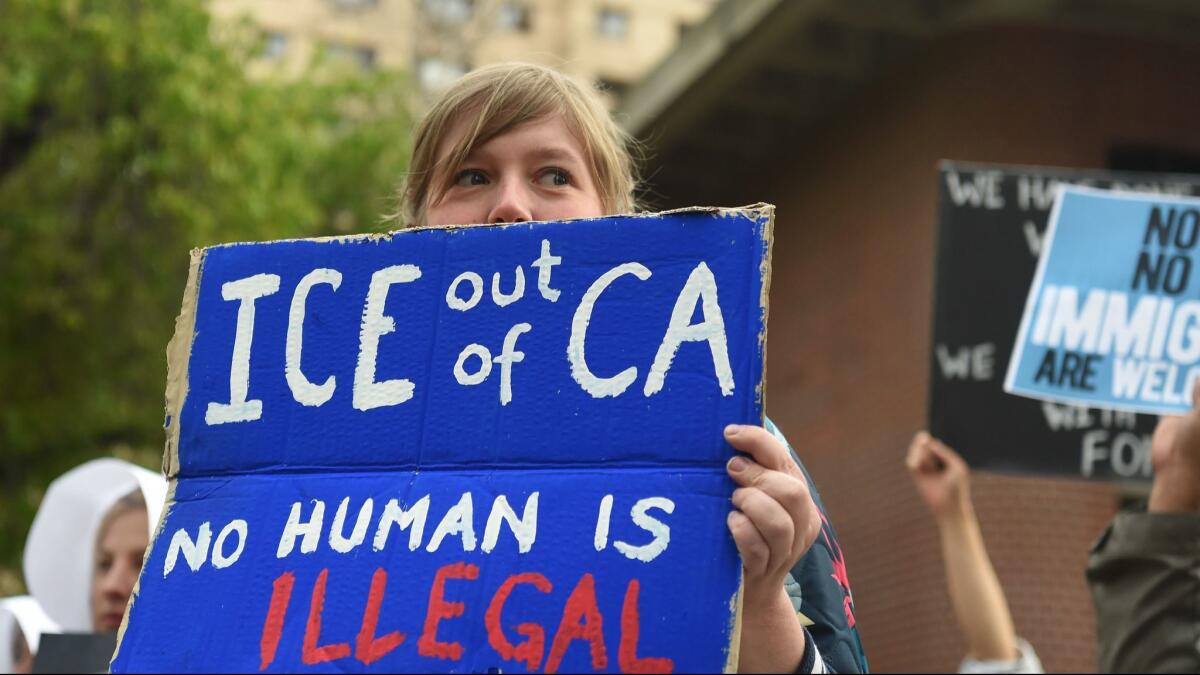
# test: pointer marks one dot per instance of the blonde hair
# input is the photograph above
(503, 97)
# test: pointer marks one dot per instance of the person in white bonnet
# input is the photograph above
(85, 549)
(22, 623)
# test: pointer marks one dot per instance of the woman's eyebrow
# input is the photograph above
(553, 153)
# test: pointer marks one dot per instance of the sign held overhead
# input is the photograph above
(1113, 316)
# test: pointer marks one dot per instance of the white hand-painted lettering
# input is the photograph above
(368, 393)
(304, 391)
(239, 409)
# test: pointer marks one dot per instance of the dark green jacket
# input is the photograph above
(1144, 574)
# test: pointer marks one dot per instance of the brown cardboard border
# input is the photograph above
(137, 586)
(749, 209)
(768, 235)
(179, 351)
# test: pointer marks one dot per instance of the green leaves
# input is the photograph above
(131, 132)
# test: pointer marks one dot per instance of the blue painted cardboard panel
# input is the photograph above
(1113, 316)
(261, 439)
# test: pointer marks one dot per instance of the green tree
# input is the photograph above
(130, 132)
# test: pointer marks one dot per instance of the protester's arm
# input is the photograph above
(1144, 572)
(942, 479)
(775, 523)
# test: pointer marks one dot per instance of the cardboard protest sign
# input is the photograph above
(474, 449)
(991, 226)
(1113, 316)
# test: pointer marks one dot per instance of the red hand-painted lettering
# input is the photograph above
(312, 654)
(368, 648)
(281, 595)
(581, 605)
(439, 609)
(627, 657)
(531, 650)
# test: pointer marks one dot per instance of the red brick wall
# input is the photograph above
(851, 301)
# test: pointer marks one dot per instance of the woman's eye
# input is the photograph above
(555, 178)
(470, 177)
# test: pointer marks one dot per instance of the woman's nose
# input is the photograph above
(514, 203)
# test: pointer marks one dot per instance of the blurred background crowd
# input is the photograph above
(133, 131)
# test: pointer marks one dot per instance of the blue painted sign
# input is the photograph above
(491, 448)
(1113, 316)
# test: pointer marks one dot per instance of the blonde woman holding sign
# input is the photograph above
(518, 142)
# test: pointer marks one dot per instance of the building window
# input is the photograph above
(436, 73)
(363, 57)
(274, 45)
(513, 16)
(449, 12)
(613, 23)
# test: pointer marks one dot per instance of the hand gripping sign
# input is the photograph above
(1113, 316)
(491, 448)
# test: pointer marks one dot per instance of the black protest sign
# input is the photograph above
(991, 223)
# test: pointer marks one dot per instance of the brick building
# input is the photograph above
(838, 111)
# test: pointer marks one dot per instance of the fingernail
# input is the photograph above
(737, 465)
(732, 429)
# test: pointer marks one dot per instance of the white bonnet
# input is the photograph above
(61, 545)
(21, 612)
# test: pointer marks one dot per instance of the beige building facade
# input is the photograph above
(612, 43)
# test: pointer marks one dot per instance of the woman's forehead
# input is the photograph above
(546, 137)
(126, 525)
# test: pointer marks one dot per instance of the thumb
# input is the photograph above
(917, 451)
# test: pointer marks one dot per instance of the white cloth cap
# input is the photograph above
(60, 549)
(21, 612)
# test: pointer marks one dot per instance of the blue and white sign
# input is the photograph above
(473, 449)
(1113, 316)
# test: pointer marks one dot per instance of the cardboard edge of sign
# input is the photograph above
(180, 347)
(754, 211)
(766, 212)
(137, 585)
(178, 352)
